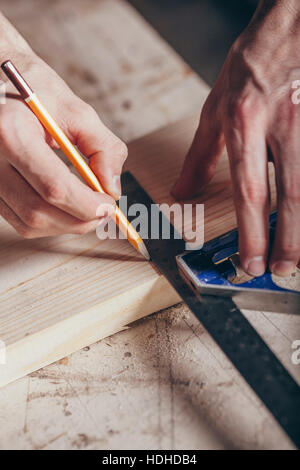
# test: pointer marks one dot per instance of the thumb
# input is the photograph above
(203, 156)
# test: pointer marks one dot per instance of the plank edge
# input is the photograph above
(85, 328)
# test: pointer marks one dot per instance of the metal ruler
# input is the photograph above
(227, 325)
(215, 269)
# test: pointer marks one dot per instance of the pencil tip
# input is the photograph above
(143, 250)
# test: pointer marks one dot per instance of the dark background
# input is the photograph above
(201, 31)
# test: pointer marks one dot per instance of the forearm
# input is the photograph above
(13, 46)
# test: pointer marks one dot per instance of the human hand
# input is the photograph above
(251, 111)
(39, 196)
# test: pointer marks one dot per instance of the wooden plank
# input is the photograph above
(113, 59)
(121, 80)
(59, 295)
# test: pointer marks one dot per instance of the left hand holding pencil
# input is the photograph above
(39, 196)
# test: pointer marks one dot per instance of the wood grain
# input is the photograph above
(177, 390)
(113, 59)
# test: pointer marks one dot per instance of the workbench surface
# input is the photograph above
(162, 383)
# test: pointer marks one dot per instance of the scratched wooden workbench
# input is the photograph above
(162, 383)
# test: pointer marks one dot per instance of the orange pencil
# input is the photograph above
(70, 151)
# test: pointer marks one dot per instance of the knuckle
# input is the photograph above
(54, 192)
(116, 149)
(79, 111)
(33, 218)
(26, 232)
(242, 107)
(288, 249)
(122, 150)
(88, 112)
(251, 193)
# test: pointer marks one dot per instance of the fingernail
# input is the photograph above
(283, 268)
(116, 186)
(256, 266)
(105, 210)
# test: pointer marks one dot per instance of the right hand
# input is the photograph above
(251, 111)
(39, 196)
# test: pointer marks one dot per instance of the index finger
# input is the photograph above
(52, 179)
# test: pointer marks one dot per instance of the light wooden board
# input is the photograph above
(113, 59)
(59, 295)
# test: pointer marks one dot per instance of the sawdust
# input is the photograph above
(175, 314)
(64, 361)
(83, 440)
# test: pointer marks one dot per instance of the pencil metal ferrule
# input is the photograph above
(16, 78)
